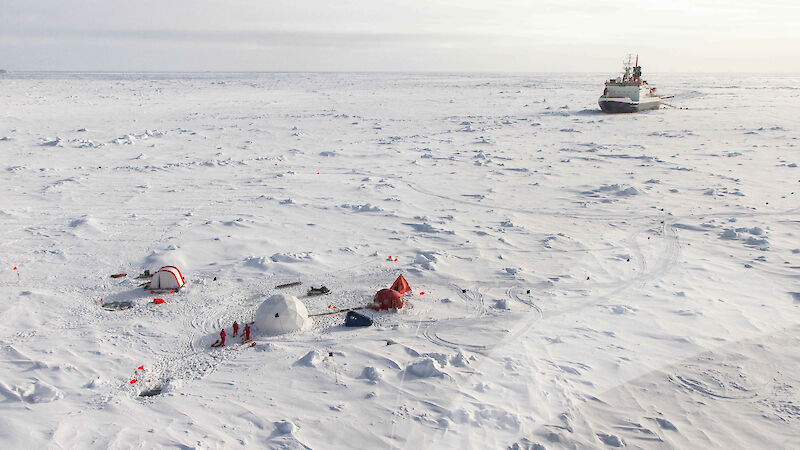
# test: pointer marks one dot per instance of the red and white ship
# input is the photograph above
(629, 93)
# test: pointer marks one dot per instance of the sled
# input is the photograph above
(116, 306)
(119, 275)
(285, 285)
(159, 291)
(322, 290)
(217, 344)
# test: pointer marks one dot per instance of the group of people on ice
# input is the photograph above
(245, 335)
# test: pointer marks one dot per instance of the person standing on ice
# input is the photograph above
(235, 328)
(246, 332)
(222, 338)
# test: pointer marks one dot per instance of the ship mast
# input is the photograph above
(627, 66)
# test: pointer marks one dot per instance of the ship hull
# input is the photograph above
(620, 105)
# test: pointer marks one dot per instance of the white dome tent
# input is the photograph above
(167, 277)
(281, 314)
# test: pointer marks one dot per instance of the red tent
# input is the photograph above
(401, 285)
(387, 299)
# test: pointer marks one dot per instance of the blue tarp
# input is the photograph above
(355, 319)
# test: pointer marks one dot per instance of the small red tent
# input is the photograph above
(401, 285)
(387, 299)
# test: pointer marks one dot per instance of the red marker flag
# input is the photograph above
(140, 368)
(15, 267)
(133, 381)
(421, 293)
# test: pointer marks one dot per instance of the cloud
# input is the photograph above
(286, 38)
(438, 35)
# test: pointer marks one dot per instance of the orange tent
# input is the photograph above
(401, 285)
(387, 299)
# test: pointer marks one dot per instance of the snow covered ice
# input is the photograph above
(589, 280)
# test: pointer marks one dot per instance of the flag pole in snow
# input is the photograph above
(333, 364)
(341, 310)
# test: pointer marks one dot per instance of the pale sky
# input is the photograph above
(400, 35)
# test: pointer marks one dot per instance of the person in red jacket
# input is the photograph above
(222, 338)
(235, 328)
(247, 332)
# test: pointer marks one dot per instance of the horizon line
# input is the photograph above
(456, 72)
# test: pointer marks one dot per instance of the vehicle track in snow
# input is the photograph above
(727, 373)
(472, 296)
(434, 331)
(491, 353)
(515, 293)
(535, 212)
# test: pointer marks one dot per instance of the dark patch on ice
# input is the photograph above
(475, 196)
(665, 424)
(362, 208)
(756, 242)
(526, 444)
(151, 392)
(684, 226)
(422, 227)
(629, 191)
(623, 156)
(589, 112)
(611, 440)
(117, 306)
(556, 113)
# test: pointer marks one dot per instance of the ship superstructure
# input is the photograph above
(629, 92)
